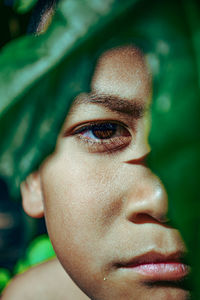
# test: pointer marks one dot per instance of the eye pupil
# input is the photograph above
(104, 131)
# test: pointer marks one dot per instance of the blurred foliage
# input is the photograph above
(12, 24)
(23, 6)
(16, 232)
(40, 76)
(4, 278)
(38, 251)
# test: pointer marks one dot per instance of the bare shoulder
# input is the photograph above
(45, 281)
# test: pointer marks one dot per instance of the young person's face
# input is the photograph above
(105, 210)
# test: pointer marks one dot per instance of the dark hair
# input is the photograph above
(40, 9)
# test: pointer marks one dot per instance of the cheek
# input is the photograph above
(81, 203)
(80, 210)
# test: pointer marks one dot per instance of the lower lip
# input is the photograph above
(162, 271)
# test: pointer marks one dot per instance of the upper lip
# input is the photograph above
(153, 257)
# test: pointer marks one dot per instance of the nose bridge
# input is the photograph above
(147, 199)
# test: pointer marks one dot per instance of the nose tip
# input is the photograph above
(147, 201)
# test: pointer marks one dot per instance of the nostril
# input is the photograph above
(142, 218)
(139, 161)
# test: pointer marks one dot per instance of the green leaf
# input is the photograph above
(23, 6)
(41, 69)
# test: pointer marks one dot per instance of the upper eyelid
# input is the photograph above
(89, 124)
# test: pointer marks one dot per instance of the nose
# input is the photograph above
(147, 200)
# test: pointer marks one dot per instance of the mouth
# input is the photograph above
(155, 266)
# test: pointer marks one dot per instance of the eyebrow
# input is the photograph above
(134, 107)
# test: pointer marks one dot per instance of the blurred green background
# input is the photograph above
(36, 68)
(23, 241)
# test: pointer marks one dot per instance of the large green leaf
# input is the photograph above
(40, 76)
(41, 68)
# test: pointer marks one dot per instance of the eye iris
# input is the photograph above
(104, 131)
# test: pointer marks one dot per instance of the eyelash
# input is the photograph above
(103, 137)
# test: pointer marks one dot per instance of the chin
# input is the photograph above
(166, 293)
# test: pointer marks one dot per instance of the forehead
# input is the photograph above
(123, 72)
(121, 82)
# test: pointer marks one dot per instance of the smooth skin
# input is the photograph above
(102, 204)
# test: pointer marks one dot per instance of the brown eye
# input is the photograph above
(104, 137)
(104, 130)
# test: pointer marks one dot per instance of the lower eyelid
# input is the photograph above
(109, 146)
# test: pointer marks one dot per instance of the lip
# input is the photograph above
(156, 266)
